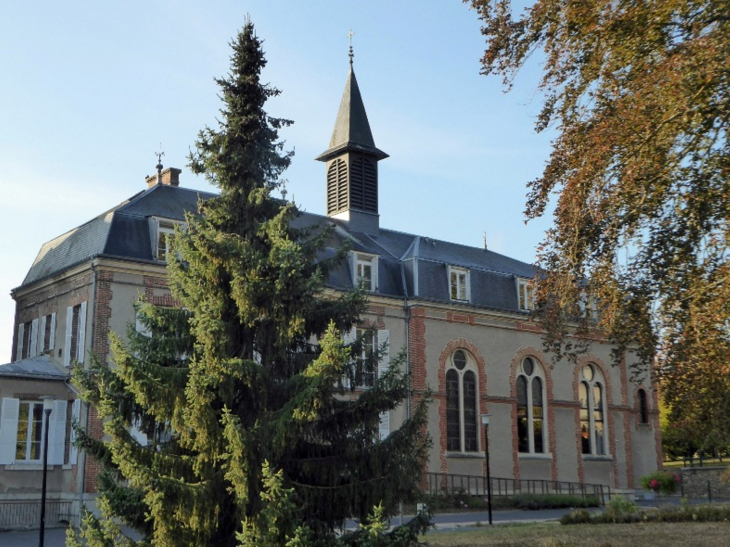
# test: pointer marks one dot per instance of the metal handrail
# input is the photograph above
(476, 485)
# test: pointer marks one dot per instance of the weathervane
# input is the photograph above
(159, 160)
(349, 36)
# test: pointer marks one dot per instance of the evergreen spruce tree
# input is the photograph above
(252, 437)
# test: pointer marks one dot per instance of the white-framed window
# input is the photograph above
(164, 231)
(591, 392)
(47, 333)
(75, 334)
(530, 384)
(365, 366)
(365, 271)
(22, 427)
(459, 286)
(461, 403)
(160, 231)
(27, 343)
(525, 295)
(30, 431)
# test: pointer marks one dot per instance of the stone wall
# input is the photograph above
(695, 481)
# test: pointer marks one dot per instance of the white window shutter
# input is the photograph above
(349, 338)
(82, 334)
(384, 346)
(75, 417)
(57, 433)
(42, 337)
(384, 425)
(33, 348)
(53, 331)
(383, 364)
(8, 429)
(137, 434)
(69, 336)
(140, 327)
(353, 267)
(19, 348)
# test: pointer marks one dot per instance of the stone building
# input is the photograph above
(460, 312)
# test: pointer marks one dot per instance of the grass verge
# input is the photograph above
(675, 534)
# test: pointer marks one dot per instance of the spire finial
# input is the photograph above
(485, 241)
(349, 36)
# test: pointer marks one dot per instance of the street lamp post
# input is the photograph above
(47, 409)
(485, 423)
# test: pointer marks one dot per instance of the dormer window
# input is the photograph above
(459, 287)
(161, 229)
(525, 295)
(164, 231)
(365, 271)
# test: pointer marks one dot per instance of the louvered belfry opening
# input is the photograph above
(364, 185)
(336, 186)
(352, 184)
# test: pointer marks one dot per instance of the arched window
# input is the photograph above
(592, 411)
(643, 407)
(530, 408)
(461, 403)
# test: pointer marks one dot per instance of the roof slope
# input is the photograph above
(408, 265)
(352, 129)
(122, 231)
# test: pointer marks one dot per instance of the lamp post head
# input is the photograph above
(48, 403)
(485, 419)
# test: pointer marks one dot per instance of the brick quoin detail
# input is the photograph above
(92, 468)
(166, 300)
(440, 395)
(417, 358)
(452, 317)
(627, 421)
(102, 314)
(539, 356)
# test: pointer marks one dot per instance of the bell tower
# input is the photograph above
(352, 163)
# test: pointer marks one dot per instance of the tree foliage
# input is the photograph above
(251, 436)
(639, 93)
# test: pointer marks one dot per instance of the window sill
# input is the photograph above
(595, 458)
(534, 456)
(466, 455)
(22, 466)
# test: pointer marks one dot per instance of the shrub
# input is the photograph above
(620, 506)
(687, 513)
(661, 482)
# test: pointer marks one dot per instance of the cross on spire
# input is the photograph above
(349, 36)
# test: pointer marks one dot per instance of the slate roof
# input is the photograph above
(123, 232)
(352, 129)
(40, 367)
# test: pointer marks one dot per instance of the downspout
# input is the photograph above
(82, 453)
(407, 321)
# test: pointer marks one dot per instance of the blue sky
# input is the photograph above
(90, 89)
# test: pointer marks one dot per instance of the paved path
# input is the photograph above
(56, 537)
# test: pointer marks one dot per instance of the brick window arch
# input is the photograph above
(530, 390)
(592, 396)
(462, 433)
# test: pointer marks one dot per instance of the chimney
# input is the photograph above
(169, 176)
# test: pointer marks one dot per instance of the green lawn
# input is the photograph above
(552, 534)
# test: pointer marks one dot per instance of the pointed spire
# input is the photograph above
(352, 129)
